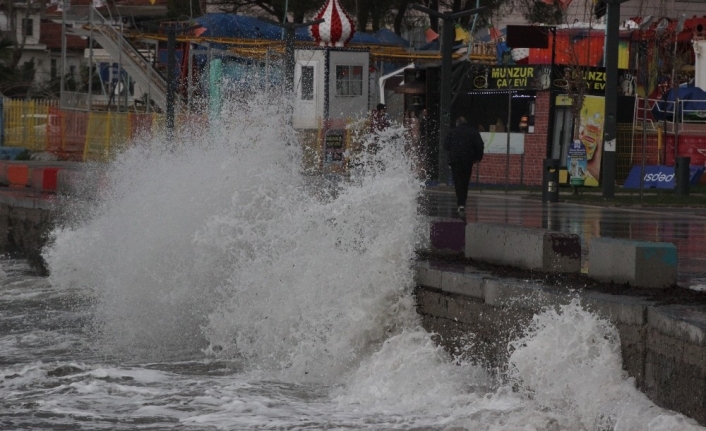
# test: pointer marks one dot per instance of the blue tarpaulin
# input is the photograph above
(692, 106)
(247, 27)
(237, 26)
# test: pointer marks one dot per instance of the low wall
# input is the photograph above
(663, 346)
(26, 221)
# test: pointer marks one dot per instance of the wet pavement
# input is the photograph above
(684, 227)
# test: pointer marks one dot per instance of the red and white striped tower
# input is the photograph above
(338, 27)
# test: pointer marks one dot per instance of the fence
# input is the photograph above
(84, 136)
(73, 135)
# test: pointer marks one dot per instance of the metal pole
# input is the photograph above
(611, 98)
(507, 144)
(171, 87)
(90, 60)
(447, 40)
(120, 67)
(62, 84)
(677, 30)
(552, 101)
(677, 122)
(643, 51)
(191, 76)
(289, 59)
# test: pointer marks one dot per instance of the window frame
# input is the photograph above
(28, 27)
(345, 79)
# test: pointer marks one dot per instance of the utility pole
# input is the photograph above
(172, 30)
(290, 29)
(448, 35)
(171, 81)
(611, 97)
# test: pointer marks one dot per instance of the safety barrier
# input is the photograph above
(39, 125)
(27, 123)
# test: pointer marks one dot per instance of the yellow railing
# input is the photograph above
(78, 135)
(27, 123)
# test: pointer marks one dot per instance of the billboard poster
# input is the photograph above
(591, 136)
(518, 77)
(576, 163)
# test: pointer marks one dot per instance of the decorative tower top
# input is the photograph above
(338, 27)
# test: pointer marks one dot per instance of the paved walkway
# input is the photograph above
(685, 228)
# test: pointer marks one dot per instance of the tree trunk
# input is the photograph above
(399, 17)
(434, 22)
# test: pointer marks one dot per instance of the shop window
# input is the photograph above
(349, 80)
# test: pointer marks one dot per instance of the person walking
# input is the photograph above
(379, 121)
(465, 147)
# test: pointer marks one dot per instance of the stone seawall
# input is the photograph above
(663, 346)
(26, 218)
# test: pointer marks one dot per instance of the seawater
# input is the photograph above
(216, 283)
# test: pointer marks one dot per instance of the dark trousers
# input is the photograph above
(461, 173)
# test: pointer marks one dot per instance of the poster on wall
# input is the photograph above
(591, 136)
(333, 141)
(334, 145)
(577, 164)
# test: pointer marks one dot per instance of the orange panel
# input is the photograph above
(18, 175)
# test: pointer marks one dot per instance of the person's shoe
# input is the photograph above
(461, 209)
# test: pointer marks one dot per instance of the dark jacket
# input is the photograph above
(464, 145)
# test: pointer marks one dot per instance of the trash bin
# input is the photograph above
(550, 181)
(681, 175)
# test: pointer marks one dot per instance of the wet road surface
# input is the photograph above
(685, 228)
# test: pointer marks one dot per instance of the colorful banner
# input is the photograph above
(591, 136)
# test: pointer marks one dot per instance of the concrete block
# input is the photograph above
(536, 249)
(682, 322)
(618, 309)
(3, 173)
(461, 283)
(17, 175)
(639, 263)
(447, 234)
(44, 179)
(427, 276)
(518, 294)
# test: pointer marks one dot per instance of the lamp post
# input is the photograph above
(447, 40)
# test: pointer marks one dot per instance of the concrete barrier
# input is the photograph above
(44, 179)
(536, 249)
(18, 175)
(638, 263)
(447, 235)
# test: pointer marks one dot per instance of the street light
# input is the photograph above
(447, 40)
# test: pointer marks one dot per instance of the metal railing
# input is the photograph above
(677, 116)
(105, 28)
